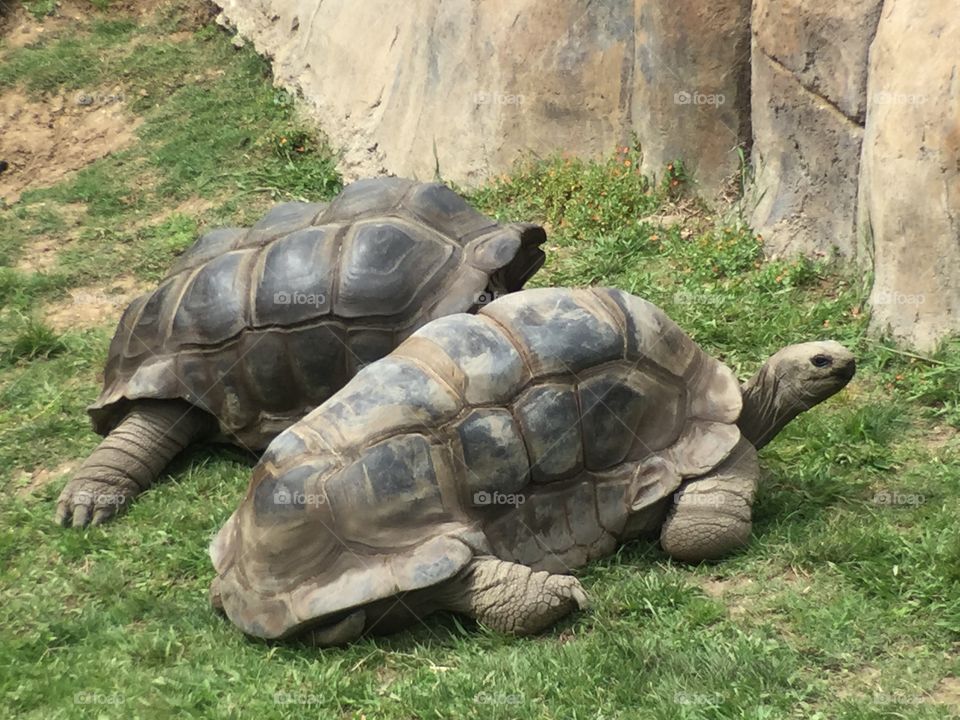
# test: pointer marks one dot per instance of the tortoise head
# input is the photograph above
(510, 257)
(793, 380)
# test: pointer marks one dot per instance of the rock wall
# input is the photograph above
(849, 110)
(467, 86)
(856, 126)
(809, 67)
(909, 201)
(691, 86)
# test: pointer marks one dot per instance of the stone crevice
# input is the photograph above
(852, 120)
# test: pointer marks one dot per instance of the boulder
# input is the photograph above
(806, 156)
(909, 201)
(809, 77)
(691, 90)
(822, 45)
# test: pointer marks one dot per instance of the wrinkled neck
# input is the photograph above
(768, 405)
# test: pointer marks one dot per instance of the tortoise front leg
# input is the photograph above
(711, 515)
(338, 634)
(512, 598)
(129, 460)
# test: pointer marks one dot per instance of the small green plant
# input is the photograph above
(34, 340)
(40, 8)
(292, 146)
(675, 180)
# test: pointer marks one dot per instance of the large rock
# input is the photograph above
(910, 174)
(823, 45)
(465, 87)
(806, 156)
(691, 89)
(809, 67)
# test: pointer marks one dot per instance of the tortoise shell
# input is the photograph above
(516, 432)
(257, 326)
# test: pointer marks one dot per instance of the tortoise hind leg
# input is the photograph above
(129, 460)
(512, 598)
(710, 517)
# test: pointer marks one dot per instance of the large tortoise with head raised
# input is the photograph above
(255, 327)
(490, 454)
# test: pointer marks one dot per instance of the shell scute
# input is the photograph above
(550, 420)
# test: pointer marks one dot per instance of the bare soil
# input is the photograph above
(40, 253)
(94, 305)
(45, 140)
(38, 479)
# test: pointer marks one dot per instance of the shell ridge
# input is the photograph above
(513, 340)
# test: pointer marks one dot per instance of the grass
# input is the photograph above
(845, 605)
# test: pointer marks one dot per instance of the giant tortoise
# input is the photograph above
(255, 327)
(490, 454)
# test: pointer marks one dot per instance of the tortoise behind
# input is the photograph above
(255, 327)
(490, 454)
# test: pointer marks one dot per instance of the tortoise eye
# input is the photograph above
(821, 361)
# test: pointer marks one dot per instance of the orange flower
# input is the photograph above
(627, 163)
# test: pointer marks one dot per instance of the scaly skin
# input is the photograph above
(711, 515)
(513, 598)
(129, 460)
